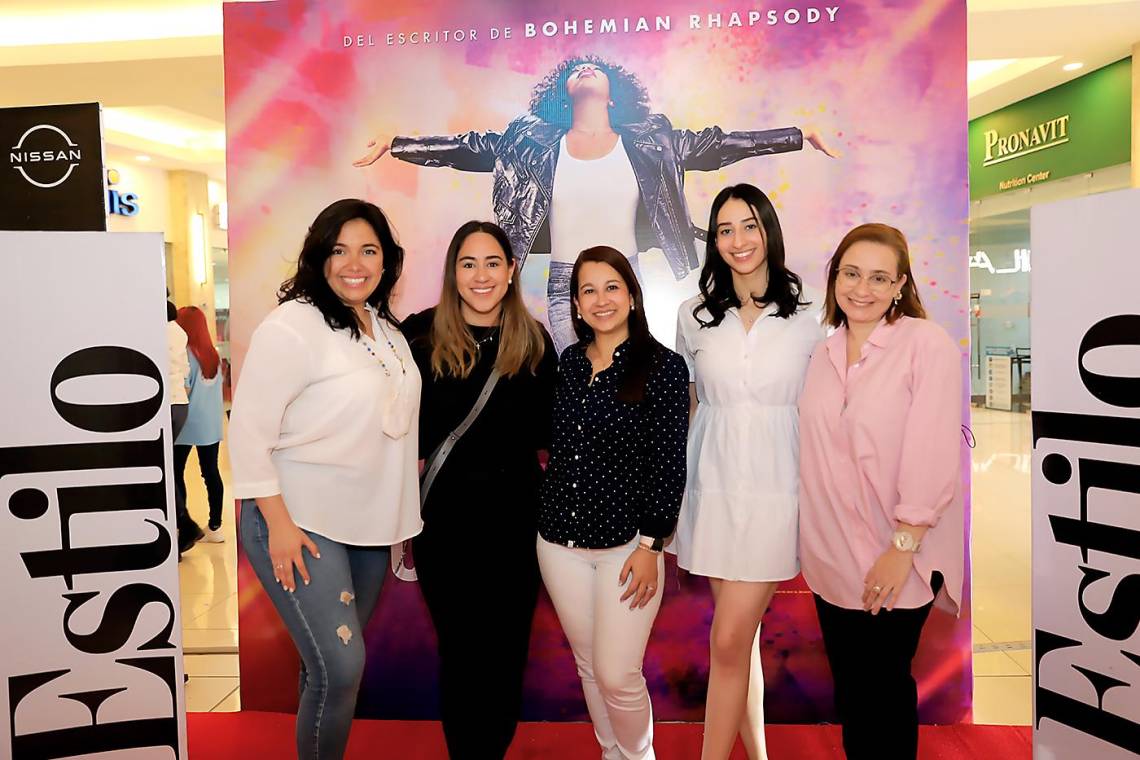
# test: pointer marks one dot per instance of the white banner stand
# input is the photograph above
(1086, 478)
(91, 640)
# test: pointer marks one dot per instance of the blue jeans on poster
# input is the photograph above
(326, 621)
(558, 302)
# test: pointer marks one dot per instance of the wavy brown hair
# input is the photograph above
(550, 102)
(909, 304)
(310, 284)
(454, 350)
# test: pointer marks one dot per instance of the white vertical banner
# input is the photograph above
(1085, 326)
(91, 638)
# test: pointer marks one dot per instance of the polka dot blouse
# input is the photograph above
(616, 468)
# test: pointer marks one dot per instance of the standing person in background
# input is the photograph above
(747, 338)
(203, 429)
(611, 494)
(323, 447)
(178, 375)
(881, 507)
(488, 485)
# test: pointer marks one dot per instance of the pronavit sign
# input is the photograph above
(1077, 127)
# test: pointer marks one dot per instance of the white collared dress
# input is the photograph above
(739, 517)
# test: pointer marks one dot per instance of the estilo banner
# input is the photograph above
(1086, 479)
(91, 649)
(51, 177)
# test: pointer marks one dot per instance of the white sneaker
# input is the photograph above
(214, 536)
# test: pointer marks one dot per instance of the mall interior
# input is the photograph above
(156, 66)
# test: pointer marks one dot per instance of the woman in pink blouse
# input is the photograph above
(880, 486)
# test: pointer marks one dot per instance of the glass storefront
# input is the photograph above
(1001, 259)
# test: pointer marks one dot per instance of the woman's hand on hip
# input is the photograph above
(885, 579)
(377, 147)
(287, 543)
(641, 571)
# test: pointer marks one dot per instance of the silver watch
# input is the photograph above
(904, 541)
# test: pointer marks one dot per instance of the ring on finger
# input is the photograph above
(877, 589)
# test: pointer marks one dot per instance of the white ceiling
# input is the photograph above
(157, 64)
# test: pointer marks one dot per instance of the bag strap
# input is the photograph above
(439, 456)
(432, 467)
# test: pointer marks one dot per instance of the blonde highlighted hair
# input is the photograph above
(454, 351)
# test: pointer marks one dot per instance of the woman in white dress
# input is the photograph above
(747, 339)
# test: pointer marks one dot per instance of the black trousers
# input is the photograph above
(208, 464)
(875, 694)
(480, 583)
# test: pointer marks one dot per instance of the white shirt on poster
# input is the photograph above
(318, 420)
(739, 516)
(594, 202)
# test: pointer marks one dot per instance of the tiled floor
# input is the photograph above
(1001, 583)
(1002, 568)
(209, 605)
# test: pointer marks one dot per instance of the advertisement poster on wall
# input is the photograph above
(53, 176)
(440, 113)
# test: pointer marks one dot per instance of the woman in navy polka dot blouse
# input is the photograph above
(612, 494)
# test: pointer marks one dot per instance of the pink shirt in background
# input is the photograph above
(881, 443)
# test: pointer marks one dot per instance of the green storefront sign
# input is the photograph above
(1077, 127)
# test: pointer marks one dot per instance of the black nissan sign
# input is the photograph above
(51, 172)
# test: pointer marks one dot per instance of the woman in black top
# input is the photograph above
(612, 493)
(483, 501)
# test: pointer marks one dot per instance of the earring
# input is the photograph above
(898, 296)
(510, 280)
(633, 307)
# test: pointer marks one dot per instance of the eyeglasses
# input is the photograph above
(878, 282)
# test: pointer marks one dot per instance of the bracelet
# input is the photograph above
(650, 544)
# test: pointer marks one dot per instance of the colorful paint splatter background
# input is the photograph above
(884, 83)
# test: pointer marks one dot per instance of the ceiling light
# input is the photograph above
(977, 69)
(1072, 66)
(55, 27)
(144, 159)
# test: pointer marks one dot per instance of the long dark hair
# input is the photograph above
(454, 351)
(909, 304)
(717, 293)
(309, 283)
(643, 349)
(550, 102)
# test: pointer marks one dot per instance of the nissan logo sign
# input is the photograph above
(45, 156)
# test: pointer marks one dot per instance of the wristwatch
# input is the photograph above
(904, 541)
(655, 545)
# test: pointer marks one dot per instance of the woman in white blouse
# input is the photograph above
(323, 447)
(747, 339)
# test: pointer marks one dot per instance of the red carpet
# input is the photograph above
(269, 736)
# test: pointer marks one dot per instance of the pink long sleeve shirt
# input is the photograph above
(880, 444)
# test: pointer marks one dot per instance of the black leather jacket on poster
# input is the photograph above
(523, 158)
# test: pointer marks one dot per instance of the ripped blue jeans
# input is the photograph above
(326, 621)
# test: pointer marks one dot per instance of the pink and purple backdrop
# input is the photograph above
(884, 82)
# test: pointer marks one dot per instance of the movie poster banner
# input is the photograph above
(91, 645)
(442, 112)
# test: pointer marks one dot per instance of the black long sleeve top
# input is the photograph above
(495, 462)
(616, 468)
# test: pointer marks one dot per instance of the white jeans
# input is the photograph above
(608, 640)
